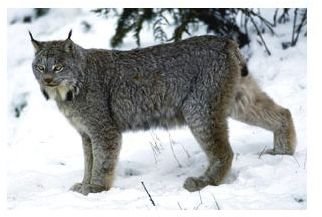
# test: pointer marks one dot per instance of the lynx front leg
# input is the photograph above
(211, 133)
(252, 106)
(106, 148)
(106, 143)
(88, 163)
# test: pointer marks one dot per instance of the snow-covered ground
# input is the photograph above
(45, 152)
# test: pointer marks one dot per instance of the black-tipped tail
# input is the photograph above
(244, 70)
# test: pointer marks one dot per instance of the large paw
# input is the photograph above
(85, 189)
(278, 152)
(76, 187)
(194, 184)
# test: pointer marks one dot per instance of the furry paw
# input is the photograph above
(278, 152)
(194, 184)
(85, 189)
(76, 187)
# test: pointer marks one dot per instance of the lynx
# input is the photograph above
(253, 106)
(194, 82)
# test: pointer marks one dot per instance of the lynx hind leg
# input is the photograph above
(212, 135)
(252, 106)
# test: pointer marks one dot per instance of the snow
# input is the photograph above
(45, 153)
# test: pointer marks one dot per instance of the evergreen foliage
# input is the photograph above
(231, 22)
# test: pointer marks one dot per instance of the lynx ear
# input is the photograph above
(36, 44)
(69, 45)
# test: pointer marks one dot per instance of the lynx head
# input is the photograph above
(57, 66)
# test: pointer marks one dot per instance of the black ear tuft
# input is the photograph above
(31, 38)
(70, 34)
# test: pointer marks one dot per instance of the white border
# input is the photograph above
(159, 3)
(314, 101)
(314, 126)
(3, 110)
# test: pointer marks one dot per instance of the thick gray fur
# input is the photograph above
(104, 93)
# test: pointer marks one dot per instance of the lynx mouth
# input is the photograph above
(51, 85)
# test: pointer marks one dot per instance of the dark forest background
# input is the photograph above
(236, 23)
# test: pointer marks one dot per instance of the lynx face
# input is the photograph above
(55, 69)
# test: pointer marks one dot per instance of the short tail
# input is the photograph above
(244, 70)
(232, 45)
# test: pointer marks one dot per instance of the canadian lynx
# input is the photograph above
(253, 106)
(196, 82)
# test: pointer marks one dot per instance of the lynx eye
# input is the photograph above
(40, 68)
(58, 68)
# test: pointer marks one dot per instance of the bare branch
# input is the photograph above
(262, 152)
(179, 205)
(296, 161)
(197, 207)
(217, 205)
(174, 154)
(148, 194)
(260, 35)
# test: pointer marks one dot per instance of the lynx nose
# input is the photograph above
(47, 78)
